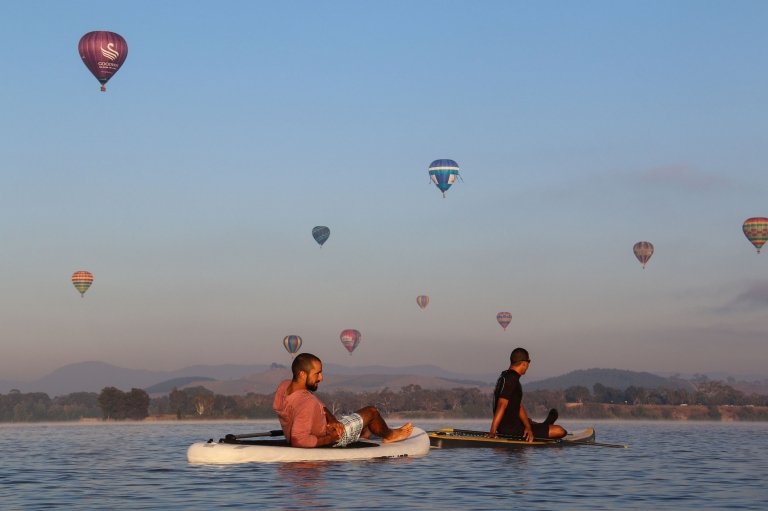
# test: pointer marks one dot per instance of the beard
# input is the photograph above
(312, 387)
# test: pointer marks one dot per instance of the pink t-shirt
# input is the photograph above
(301, 416)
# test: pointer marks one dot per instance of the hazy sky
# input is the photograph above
(190, 188)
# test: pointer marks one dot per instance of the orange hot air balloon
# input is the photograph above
(82, 280)
(422, 301)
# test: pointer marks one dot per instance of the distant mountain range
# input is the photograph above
(93, 376)
(267, 381)
(615, 378)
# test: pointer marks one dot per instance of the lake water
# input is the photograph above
(143, 466)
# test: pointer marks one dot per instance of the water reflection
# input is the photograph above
(302, 481)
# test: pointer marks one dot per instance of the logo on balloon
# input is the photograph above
(110, 52)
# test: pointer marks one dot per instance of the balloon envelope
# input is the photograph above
(504, 319)
(756, 231)
(292, 343)
(321, 234)
(422, 300)
(103, 53)
(443, 173)
(350, 339)
(643, 251)
(82, 280)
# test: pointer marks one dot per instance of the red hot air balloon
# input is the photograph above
(350, 339)
(504, 319)
(422, 300)
(103, 53)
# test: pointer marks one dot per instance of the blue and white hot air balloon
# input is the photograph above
(443, 173)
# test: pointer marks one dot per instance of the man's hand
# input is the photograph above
(334, 430)
(528, 434)
(490, 435)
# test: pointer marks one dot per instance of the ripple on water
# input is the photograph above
(143, 466)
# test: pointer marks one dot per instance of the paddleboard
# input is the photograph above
(272, 451)
(450, 438)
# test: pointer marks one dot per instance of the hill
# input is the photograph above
(167, 385)
(267, 381)
(614, 378)
(92, 376)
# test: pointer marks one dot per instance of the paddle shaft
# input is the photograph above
(276, 432)
(547, 440)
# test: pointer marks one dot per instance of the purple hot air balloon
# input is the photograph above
(103, 53)
(504, 319)
(292, 343)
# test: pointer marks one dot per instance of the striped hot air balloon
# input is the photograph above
(443, 173)
(82, 280)
(756, 231)
(643, 251)
(292, 343)
(350, 339)
(422, 300)
(321, 234)
(504, 319)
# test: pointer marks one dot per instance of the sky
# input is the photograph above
(190, 188)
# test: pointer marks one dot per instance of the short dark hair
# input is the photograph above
(303, 362)
(518, 355)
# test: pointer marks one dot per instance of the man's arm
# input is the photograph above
(527, 433)
(301, 435)
(501, 406)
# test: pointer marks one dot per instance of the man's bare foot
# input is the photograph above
(398, 434)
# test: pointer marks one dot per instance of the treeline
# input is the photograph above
(711, 394)
(465, 402)
(39, 407)
(199, 401)
(118, 405)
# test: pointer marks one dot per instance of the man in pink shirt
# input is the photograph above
(307, 423)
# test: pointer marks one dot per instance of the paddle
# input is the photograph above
(468, 432)
(276, 432)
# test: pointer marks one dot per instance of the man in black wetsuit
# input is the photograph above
(509, 417)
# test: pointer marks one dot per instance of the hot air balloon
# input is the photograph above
(292, 343)
(643, 251)
(82, 280)
(321, 234)
(756, 231)
(443, 173)
(422, 300)
(103, 53)
(350, 339)
(504, 319)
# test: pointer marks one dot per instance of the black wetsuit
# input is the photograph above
(508, 387)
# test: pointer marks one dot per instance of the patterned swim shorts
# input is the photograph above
(353, 426)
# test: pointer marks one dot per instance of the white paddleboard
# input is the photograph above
(215, 453)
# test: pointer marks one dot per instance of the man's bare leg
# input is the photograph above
(554, 430)
(373, 421)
